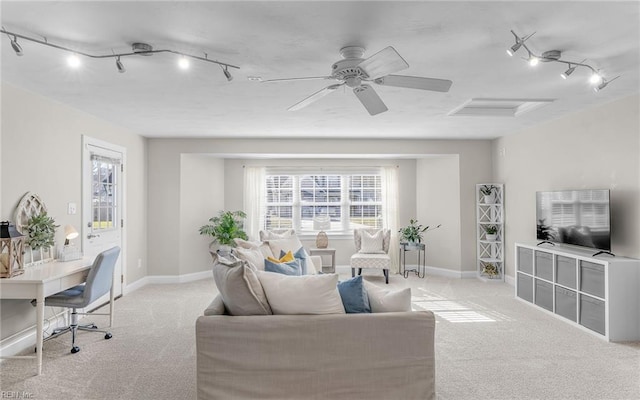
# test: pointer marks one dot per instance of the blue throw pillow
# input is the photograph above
(301, 256)
(288, 268)
(354, 295)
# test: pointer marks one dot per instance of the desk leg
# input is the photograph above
(39, 326)
(111, 303)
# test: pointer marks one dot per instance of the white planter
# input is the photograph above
(491, 237)
(490, 198)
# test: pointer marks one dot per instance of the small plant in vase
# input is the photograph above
(413, 232)
(224, 228)
(41, 231)
(489, 193)
(491, 232)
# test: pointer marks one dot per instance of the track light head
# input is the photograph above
(73, 61)
(16, 47)
(120, 66)
(183, 63)
(596, 78)
(568, 72)
(511, 51)
(533, 60)
(227, 74)
(600, 86)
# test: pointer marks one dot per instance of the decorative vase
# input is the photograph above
(490, 198)
(492, 237)
(322, 240)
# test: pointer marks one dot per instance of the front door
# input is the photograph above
(103, 204)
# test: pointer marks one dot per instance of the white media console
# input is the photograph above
(599, 294)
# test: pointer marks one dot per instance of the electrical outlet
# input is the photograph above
(71, 208)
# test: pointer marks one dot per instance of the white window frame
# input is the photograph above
(345, 202)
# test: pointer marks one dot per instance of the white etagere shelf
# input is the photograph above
(490, 248)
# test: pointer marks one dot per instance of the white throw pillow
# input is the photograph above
(306, 294)
(371, 243)
(268, 235)
(291, 244)
(245, 244)
(253, 256)
(385, 300)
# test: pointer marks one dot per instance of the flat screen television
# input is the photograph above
(575, 217)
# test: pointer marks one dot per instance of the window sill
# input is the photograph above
(331, 235)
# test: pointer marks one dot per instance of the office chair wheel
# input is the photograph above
(108, 335)
(75, 349)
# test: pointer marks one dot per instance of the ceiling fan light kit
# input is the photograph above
(137, 49)
(555, 56)
(353, 71)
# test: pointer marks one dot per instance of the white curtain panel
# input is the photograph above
(254, 200)
(390, 200)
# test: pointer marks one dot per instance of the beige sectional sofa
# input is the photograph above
(336, 356)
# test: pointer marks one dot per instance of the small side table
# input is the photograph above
(422, 255)
(326, 252)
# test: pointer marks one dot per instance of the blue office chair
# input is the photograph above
(98, 283)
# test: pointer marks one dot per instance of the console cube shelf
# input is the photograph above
(598, 294)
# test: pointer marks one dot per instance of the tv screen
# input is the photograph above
(576, 217)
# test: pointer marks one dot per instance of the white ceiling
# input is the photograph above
(461, 41)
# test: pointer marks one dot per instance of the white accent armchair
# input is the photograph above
(379, 260)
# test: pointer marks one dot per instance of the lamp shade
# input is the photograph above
(70, 232)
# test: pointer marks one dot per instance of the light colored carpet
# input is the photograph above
(488, 346)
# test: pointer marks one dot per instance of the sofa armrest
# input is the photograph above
(216, 307)
(338, 356)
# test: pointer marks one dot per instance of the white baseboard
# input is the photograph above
(166, 279)
(447, 273)
(26, 338)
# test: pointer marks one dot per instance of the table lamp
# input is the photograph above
(69, 233)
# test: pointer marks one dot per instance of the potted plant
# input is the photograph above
(41, 231)
(491, 232)
(224, 228)
(490, 269)
(412, 233)
(488, 191)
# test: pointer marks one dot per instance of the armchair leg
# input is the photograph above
(386, 276)
(359, 271)
(353, 272)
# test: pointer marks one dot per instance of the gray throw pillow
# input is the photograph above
(240, 287)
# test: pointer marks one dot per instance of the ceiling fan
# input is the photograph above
(353, 71)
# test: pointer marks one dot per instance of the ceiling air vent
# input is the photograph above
(498, 107)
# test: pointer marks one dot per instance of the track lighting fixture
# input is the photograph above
(227, 74)
(142, 49)
(16, 47)
(554, 56)
(120, 66)
(568, 72)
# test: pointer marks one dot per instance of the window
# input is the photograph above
(104, 197)
(350, 201)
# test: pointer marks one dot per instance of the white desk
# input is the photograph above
(40, 281)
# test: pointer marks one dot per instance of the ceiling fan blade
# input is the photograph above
(415, 82)
(309, 78)
(314, 97)
(370, 99)
(384, 62)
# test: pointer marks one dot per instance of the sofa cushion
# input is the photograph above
(289, 244)
(306, 294)
(285, 268)
(354, 295)
(284, 257)
(371, 242)
(240, 287)
(253, 256)
(387, 300)
(284, 234)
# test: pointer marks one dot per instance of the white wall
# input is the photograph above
(202, 193)
(164, 180)
(41, 153)
(595, 149)
(438, 202)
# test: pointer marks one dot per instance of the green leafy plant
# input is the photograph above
(225, 227)
(491, 229)
(41, 231)
(487, 189)
(414, 231)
